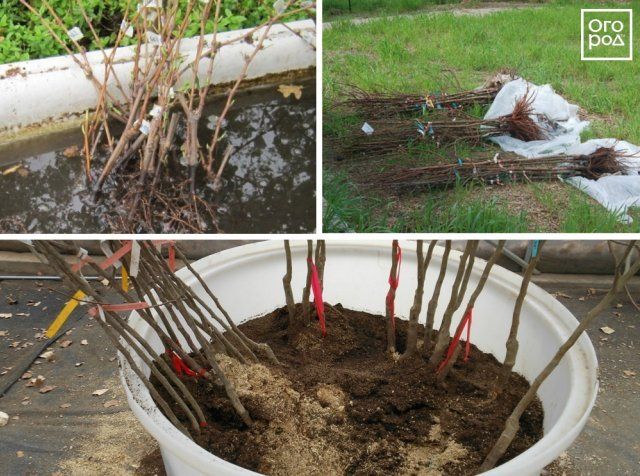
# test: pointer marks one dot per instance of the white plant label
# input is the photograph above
(153, 38)
(156, 110)
(367, 129)
(144, 127)
(149, 4)
(280, 6)
(134, 265)
(128, 29)
(75, 34)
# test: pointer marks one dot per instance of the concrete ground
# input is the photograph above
(69, 430)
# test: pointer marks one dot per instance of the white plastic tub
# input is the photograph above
(248, 281)
(51, 91)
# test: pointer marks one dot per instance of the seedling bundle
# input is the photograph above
(504, 168)
(148, 126)
(401, 125)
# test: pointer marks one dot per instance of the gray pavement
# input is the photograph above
(70, 431)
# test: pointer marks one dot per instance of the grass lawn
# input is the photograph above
(424, 53)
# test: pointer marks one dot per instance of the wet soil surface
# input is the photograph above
(342, 405)
(268, 185)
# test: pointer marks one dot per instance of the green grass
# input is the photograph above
(424, 53)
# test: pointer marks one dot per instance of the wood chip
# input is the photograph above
(100, 392)
(607, 330)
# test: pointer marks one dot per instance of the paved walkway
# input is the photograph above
(456, 10)
(70, 431)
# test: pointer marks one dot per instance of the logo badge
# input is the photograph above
(607, 34)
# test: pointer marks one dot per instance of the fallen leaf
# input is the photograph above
(607, 330)
(78, 364)
(84, 342)
(72, 151)
(6, 315)
(629, 373)
(591, 291)
(11, 300)
(23, 314)
(100, 392)
(65, 405)
(26, 375)
(47, 388)
(619, 305)
(288, 89)
(110, 403)
(66, 343)
(20, 454)
(11, 170)
(36, 381)
(4, 418)
(562, 295)
(4, 333)
(23, 172)
(48, 355)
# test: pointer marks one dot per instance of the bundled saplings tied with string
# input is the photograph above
(379, 138)
(503, 168)
(195, 335)
(148, 124)
(373, 105)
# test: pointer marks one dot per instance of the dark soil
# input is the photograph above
(356, 409)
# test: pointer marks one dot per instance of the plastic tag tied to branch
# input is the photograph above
(394, 281)
(318, 302)
(466, 322)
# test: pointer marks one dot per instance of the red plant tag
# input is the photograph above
(172, 256)
(127, 306)
(179, 366)
(316, 287)
(465, 322)
(116, 256)
(394, 281)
